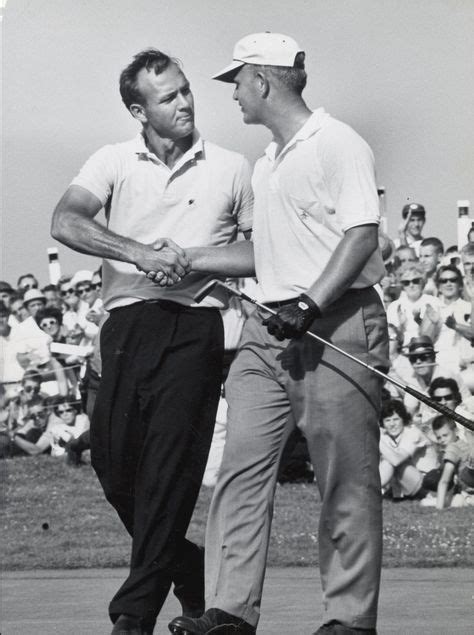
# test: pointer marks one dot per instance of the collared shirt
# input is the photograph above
(320, 185)
(204, 199)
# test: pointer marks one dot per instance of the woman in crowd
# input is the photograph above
(408, 311)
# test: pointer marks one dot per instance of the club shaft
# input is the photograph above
(412, 391)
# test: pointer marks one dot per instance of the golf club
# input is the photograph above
(467, 423)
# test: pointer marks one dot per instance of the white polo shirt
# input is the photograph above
(203, 200)
(320, 185)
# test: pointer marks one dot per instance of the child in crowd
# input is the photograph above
(406, 454)
(455, 456)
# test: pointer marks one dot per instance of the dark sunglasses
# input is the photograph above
(444, 280)
(421, 357)
(97, 285)
(67, 292)
(84, 290)
(407, 283)
(30, 388)
(61, 412)
(442, 398)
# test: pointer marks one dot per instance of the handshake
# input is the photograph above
(163, 262)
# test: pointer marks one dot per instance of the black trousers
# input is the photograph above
(150, 436)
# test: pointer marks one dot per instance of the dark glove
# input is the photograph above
(294, 319)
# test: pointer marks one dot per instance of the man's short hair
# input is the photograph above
(27, 275)
(440, 421)
(432, 241)
(293, 78)
(151, 59)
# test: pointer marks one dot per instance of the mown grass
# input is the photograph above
(55, 516)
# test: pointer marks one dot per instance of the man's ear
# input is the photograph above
(137, 111)
(263, 84)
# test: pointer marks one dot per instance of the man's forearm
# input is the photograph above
(234, 260)
(88, 236)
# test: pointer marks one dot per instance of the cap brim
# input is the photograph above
(228, 73)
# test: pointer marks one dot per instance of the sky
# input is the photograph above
(399, 71)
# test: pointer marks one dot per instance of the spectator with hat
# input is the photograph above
(422, 357)
(34, 300)
(409, 230)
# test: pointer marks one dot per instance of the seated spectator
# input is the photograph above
(409, 230)
(431, 255)
(408, 311)
(444, 390)
(406, 454)
(21, 439)
(454, 457)
(30, 389)
(449, 325)
(425, 370)
(27, 281)
(68, 425)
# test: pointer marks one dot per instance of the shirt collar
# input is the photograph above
(142, 151)
(314, 123)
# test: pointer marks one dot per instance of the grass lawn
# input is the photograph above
(55, 516)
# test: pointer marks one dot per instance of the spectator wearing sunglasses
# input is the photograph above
(444, 390)
(408, 311)
(449, 326)
(68, 424)
(76, 310)
(89, 288)
(425, 369)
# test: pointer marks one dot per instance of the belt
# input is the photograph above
(281, 303)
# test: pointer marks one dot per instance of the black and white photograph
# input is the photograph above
(236, 317)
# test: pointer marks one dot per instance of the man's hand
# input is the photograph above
(293, 320)
(403, 228)
(164, 262)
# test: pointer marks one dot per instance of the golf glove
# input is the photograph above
(294, 319)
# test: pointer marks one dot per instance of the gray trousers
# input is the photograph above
(335, 402)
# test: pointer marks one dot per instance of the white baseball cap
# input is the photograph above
(267, 49)
(81, 276)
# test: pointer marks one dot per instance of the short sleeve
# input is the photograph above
(348, 165)
(243, 196)
(97, 175)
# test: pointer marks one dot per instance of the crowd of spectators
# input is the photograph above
(50, 368)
